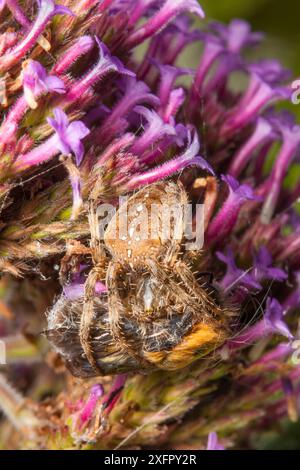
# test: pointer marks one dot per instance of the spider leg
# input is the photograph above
(96, 273)
(118, 316)
(166, 277)
(210, 187)
(199, 292)
(88, 317)
(69, 264)
(208, 274)
(116, 308)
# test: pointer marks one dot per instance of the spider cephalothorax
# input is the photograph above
(156, 313)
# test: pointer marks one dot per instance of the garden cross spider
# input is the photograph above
(157, 312)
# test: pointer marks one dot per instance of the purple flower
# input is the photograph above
(274, 319)
(272, 323)
(188, 158)
(235, 276)
(263, 133)
(106, 64)
(175, 37)
(264, 88)
(154, 131)
(136, 92)
(271, 71)
(36, 81)
(176, 100)
(263, 268)
(169, 10)
(213, 443)
(168, 77)
(22, 19)
(68, 136)
(212, 50)
(270, 359)
(144, 126)
(236, 35)
(47, 9)
(139, 7)
(290, 144)
(7, 40)
(224, 43)
(81, 46)
(226, 218)
(75, 289)
(89, 407)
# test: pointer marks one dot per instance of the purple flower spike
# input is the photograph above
(36, 81)
(47, 9)
(213, 443)
(290, 144)
(169, 10)
(262, 134)
(154, 131)
(226, 218)
(188, 158)
(235, 276)
(263, 267)
(68, 136)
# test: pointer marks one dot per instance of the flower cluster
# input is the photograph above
(85, 114)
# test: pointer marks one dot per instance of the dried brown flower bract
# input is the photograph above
(157, 312)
